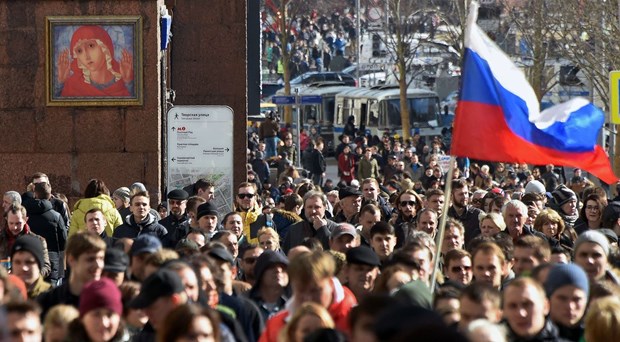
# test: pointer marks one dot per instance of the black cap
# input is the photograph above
(609, 234)
(29, 243)
(159, 284)
(206, 209)
(115, 261)
(178, 194)
(363, 255)
(348, 191)
(222, 254)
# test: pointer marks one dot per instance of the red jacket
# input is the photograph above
(344, 300)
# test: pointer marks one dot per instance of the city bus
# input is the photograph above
(377, 110)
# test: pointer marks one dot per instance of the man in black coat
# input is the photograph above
(141, 221)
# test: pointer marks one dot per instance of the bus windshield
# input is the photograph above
(421, 110)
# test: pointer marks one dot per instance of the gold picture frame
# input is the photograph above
(94, 61)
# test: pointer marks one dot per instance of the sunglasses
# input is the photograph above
(456, 269)
(406, 203)
(242, 196)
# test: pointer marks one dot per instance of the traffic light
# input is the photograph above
(376, 45)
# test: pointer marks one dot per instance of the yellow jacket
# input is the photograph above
(103, 202)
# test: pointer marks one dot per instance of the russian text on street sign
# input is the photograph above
(614, 97)
(283, 100)
(200, 145)
(310, 99)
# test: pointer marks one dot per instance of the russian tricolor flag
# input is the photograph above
(498, 116)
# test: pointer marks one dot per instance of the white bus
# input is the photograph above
(377, 110)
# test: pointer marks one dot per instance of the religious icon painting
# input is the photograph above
(94, 61)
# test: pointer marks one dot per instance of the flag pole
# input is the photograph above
(442, 224)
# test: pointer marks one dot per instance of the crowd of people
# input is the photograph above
(525, 254)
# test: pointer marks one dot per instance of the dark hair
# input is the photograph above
(42, 190)
(312, 243)
(479, 292)
(203, 184)
(382, 227)
(372, 306)
(92, 211)
(446, 292)
(291, 201)
(141, 194)
(95, 187)
(459, 184)
(22, 307)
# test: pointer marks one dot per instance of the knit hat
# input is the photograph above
(566, 274)
(415, 293)
(535, 187)
(206, 209)
(102, 293)
(115, 260)
(122, 193)
(562, 194)
(595, 237)
(137, 187)
(266, 260)
(29, 243)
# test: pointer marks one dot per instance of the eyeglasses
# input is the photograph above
(406, 203)
(242, 196)
(592, 207)
(456, 269)
(249, 260)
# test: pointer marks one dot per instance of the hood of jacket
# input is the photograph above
(103, 202)
(150, 219)
(36, 206)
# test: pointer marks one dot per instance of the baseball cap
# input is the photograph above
(221, 254)
(342, 229)
(145, 243)
(162, 283)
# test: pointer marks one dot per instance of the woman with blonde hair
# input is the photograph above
(268, 239)
(57, 320)
(551, 224)
(491, 224)
(307, 318)
(603, 320)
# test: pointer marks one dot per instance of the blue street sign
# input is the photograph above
(311, 99)
(283, 100)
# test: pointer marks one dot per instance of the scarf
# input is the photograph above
(249, 217)
(10, 238)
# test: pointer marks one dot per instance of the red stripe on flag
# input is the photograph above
(480, 132)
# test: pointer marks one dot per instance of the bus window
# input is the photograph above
(339, 114)
(328, 110)
(373, 115)
(393, 113)
(423, 109)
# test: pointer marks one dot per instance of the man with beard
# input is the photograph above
(361, 271)
(177, 203)
(315, 224)
(253, 218)
(462, 211)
